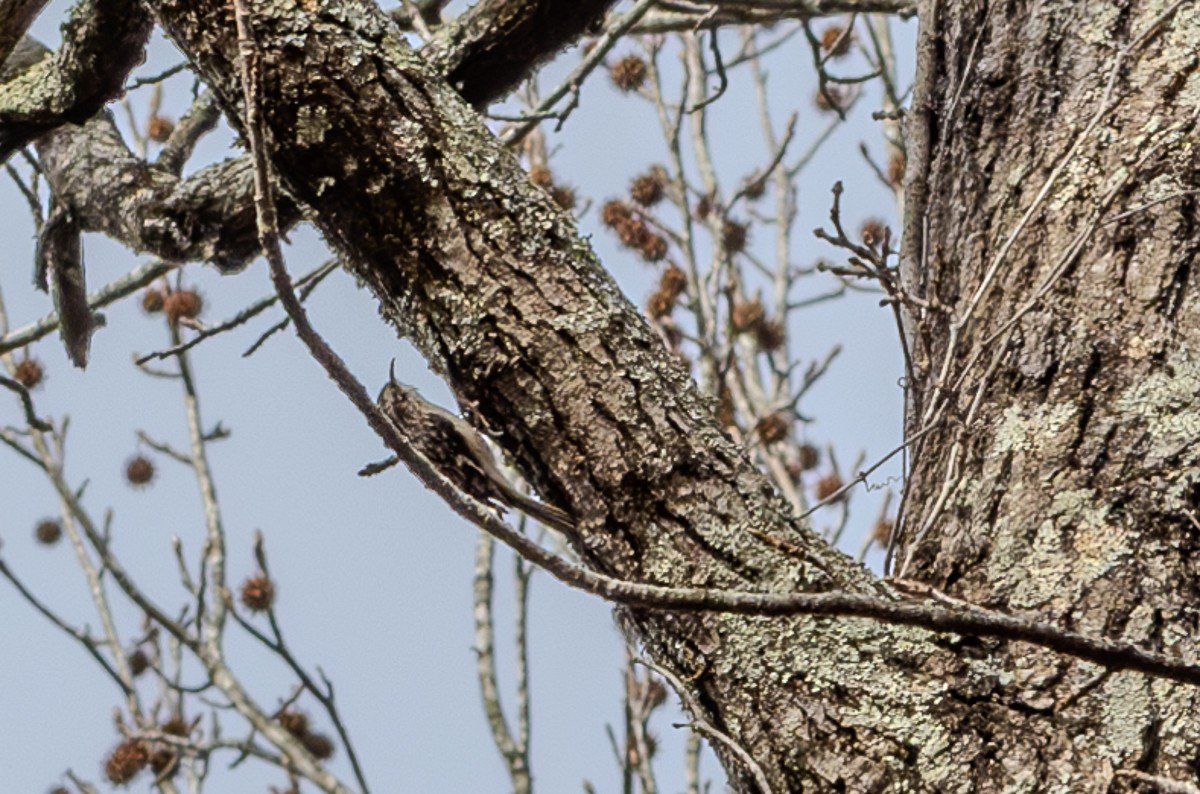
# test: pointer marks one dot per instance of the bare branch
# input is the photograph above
(26, 403)
(515, 756)
(82, 638)
(674, 16)
(126, 285)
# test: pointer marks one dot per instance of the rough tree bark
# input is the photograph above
(1058, 355)
(1056, 473)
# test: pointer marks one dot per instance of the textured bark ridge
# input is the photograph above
(1061, 479)
(103, 41)
(494, 284)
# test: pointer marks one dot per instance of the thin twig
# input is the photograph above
(485, 666)
(312, 278)
(571, 84)
(82, 638)
(703, 726)
(165, 449)
(127, 284)
(31, 417)
(156, 78)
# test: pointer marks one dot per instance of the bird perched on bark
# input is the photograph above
(459, 452)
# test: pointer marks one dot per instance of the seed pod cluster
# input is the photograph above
(629, 73)
(634, 231)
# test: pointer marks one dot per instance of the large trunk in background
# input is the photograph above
(1059, 367)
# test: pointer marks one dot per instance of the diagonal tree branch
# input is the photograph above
(493, 283)
(208, 216)
(15, 18)
(102, 41)
(495, 45)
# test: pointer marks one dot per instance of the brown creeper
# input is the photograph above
(459, 452)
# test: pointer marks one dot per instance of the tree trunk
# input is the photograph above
(1054, 473)
(1058, 369)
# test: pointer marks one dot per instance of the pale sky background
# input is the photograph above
(374, 575)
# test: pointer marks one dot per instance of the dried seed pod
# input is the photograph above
(873, 232)
(258, 593)
(48, 532)
(159, 129)
(747, 315)
(176, 726)
(648, 188)
(755, 187)
(771, 335)
(164, 763)
(153, 300)
(563, 196)
(294, 722)
(615, 213)
(184, 304)
(733, 236)
(139, 662)
(139, 471)
(541, 176)
(660, 305)
(774, 427)
(828, 485)
(320, 745)
(29, 372)
(129, 758)
(882, 532)
(673, 282)
(633, 232)
(629, 73)
(836, 41)
(652, 247)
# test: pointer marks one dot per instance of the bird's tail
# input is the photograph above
(549, 515)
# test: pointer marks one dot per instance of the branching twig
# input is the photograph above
(324, 694)
(82, 638)
(572, 83)
(514, 753)
(309, 280)
(701, 725)
(26, 403)
(126, 285)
